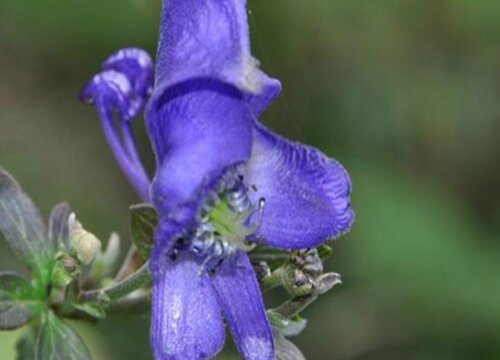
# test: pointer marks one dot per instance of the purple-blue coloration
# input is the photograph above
(123, 84)
(210, 148)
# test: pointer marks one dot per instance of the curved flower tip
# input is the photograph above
(109, 89)
(137, 65)
(204, 38)
(125, 81)
(307, 194)
(123, 85)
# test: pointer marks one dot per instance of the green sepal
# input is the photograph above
(59, 341)
(62, 277)
(22, 226)
(143, 223)
(16, 300)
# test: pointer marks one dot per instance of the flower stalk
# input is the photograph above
(140, 278)
(296, 305)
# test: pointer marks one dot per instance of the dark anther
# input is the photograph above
(262, 270)
(254, 187)
(174, 255)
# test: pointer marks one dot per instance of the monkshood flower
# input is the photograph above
(223, 182)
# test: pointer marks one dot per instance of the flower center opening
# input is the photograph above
(225, 225)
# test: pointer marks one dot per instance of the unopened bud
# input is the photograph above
(262, 270)
(309, 261)
(69, 264)
(296, 282)
(86, 244)
(65, 270)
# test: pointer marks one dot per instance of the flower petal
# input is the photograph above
(241, 301)
(198, 128)
(111, 91)
(186, 320)
(204, 38)
(137, 65)
(306, 193)
(268, 91)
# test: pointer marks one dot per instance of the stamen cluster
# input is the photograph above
(225, 224)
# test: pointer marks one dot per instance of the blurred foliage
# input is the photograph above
(404, 93)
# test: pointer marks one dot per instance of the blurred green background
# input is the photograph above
(406, 94)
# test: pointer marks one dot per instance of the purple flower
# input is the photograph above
(223, 182)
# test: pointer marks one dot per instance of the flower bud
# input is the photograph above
(66, 270)
(86, 244)
(296, 282)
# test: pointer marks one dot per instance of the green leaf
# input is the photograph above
(26, 344)
(142, 226)
(14, 293)
(58, 341)
(21, 224)
(58, 225)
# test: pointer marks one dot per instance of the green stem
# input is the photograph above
(268, 257)
(273, 280)
(130, 306)
(295, 305)
(135, 281)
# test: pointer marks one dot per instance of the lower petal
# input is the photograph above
(307, 194)
(186, 320)
(241, 301)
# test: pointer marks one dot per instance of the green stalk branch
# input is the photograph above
(132, 262)
(295, 306)
(273, 280)
(130, 306)
(135, 281)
